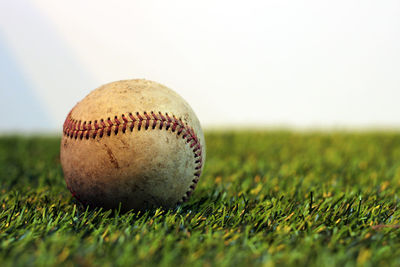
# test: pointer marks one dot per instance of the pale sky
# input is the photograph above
(238, 63)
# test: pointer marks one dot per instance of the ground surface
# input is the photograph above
(267, 198)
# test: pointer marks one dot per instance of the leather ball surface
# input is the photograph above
(133, 143)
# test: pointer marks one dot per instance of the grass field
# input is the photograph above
(265, 198)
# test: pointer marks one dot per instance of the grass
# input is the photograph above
(265, 198)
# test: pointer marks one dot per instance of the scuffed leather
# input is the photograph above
(138, 169)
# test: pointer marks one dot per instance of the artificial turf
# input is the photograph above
(265, 198)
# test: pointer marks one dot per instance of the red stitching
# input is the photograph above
(162, 117)
(169, 120)
(132, 118)
(140, 120)
(198, 154)
(139, 117)
(124, 118)
(73, 129)
(117, 122)
(147, 120)
(154, 116)
(155, 120)
(175, 124)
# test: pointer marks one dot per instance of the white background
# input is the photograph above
(238, 63)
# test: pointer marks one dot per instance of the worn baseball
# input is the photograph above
(133, 143)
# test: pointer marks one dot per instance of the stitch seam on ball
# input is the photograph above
(98, 128)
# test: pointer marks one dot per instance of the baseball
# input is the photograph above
(133, 143)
